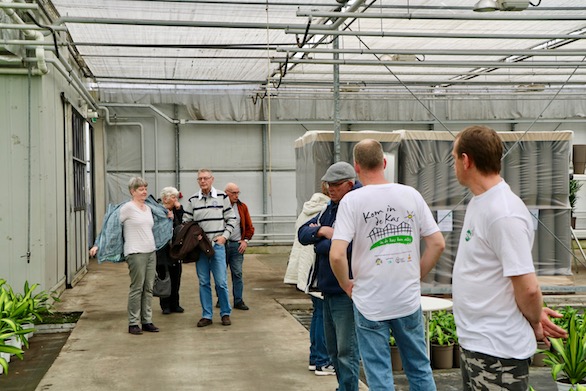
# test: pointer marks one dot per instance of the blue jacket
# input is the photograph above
(326, 280)
(110, 241)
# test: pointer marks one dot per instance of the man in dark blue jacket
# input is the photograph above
(338, 310)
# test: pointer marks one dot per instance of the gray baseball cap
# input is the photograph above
(338, 172)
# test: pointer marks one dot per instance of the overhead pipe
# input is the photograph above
(174, 23)
(205, 24)
(29, 34)
(431, 34)
(463, 64)
(410, 16)
(67, 72)
(440, 52)
(373, 84)
(28, 6)
(146, 106)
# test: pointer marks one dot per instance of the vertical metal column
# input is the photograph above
(177, 159)
(265, 185)
(336, 102)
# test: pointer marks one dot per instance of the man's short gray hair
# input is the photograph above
(136, 182)
(168, 192)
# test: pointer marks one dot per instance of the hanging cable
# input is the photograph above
(51, 29)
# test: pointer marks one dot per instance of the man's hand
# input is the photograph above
(550, 329)
(220, 240)
(242, 247)
(325, 232)
(539, 335)
(348, 286)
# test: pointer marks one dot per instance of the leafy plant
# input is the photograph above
(567, 313)
(9, 328)
(392, 340)
(442, 328)
(575, 187)
(568, 357)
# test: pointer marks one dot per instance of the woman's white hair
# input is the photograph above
(168, 192)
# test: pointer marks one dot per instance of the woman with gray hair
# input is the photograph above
(137, 228)
(170, 200)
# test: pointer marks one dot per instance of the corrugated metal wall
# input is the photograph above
(35, 209)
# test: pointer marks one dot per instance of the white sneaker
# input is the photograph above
(311, 367)
(325, 371)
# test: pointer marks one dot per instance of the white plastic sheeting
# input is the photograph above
(223, 44)
(536, 166)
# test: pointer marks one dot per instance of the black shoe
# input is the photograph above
(218, 304)
(178, 309)
(203, 322)
(135, 330)
(241, 306)
(166, 311)
(150, 328)
(226, 320)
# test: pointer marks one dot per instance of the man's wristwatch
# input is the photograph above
(246, 240)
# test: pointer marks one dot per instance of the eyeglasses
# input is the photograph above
(233, 192)
(335, 184)
(204, 178)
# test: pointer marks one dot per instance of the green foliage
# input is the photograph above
(569, 356)
(574, 189)
(9, 328)
(17, 310)
(442, 328)
(567, 313)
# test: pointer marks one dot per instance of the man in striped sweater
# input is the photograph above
(211, 209)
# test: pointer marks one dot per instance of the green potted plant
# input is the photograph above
(442, 333)
(8, 329)
(575, 187)
(568, 357)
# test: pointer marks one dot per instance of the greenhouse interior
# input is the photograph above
(268, 94)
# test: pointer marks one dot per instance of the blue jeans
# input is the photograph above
(216, 265)
(318, 353)
(373, 339)
(341, 340)
(235, 260)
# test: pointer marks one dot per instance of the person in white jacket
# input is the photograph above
(302, 257)
(299, 266)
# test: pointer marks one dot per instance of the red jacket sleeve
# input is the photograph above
(245, 221)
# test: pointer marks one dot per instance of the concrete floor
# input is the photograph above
(266, 348)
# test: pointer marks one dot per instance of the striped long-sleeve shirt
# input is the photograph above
(212, 212)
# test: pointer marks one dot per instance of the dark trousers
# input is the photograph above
(172, 301)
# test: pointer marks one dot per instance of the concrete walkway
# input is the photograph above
(265, 348)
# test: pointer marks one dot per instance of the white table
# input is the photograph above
(428, 305)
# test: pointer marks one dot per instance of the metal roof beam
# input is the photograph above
(440, 52)
(462, 64)
(471, 16)
(175, 23)
(434, 34)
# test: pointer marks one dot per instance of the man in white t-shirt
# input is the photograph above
(497, 300)
(386, 222)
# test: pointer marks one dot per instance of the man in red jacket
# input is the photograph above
(237, 244)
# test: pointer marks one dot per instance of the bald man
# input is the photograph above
(238, 243)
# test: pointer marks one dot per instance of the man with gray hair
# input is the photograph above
(211, 209)
(338, 312)
(238, 243)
